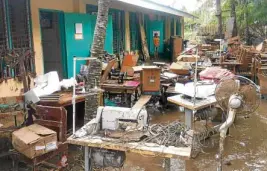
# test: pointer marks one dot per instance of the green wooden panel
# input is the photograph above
(109, 34)
(178, 28)
(172, 27)
(79, 48)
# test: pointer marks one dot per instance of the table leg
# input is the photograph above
(188, 118)
(87, 159)
(129, 100)
(174, 164)
(135, 95)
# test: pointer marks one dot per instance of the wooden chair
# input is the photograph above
(246, 69)
(54, 118)
(260, 65)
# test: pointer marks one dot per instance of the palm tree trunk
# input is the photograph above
(97, 50)
(92, 101)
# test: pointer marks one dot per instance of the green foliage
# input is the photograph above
(254, 12)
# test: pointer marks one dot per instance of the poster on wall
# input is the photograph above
(78, 31)
(158, 32)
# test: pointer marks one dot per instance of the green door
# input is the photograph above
(77, 46)
(155, 26)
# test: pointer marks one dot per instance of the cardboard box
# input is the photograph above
(34, 140)
(180, 68)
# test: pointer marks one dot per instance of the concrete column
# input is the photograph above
(166, 27)
(82, 6)
(127, 32)
(174, 27)
(169, 26)
(182, 27)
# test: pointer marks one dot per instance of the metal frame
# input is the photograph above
(86, 149)
(75, 59)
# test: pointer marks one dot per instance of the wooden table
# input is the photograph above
(190, 107)
(227, 64)
(133, 147)
(113, 87)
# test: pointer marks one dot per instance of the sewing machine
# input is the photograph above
(115, 118)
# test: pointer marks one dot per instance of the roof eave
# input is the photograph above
(158, 7)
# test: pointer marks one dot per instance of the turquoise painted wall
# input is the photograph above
(81, 48)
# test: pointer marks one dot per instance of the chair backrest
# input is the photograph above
(54, 118)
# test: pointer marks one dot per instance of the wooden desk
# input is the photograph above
(65, 99)
(190, 107)
(133, 147)
(227, 64)
(111, 86)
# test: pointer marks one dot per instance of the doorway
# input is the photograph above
(52, 27)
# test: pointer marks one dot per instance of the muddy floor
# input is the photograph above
(245, 148)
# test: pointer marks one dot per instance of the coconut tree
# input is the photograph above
(97, 49)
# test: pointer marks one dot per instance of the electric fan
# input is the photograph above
(235, 95)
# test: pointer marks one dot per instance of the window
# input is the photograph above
(18, 13)
(15, 27)
(15, 32)
(3, 34)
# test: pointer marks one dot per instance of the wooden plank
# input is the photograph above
(190, 105)
(143, 39)
(135, 147)
(107, 70)
(142, 101)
